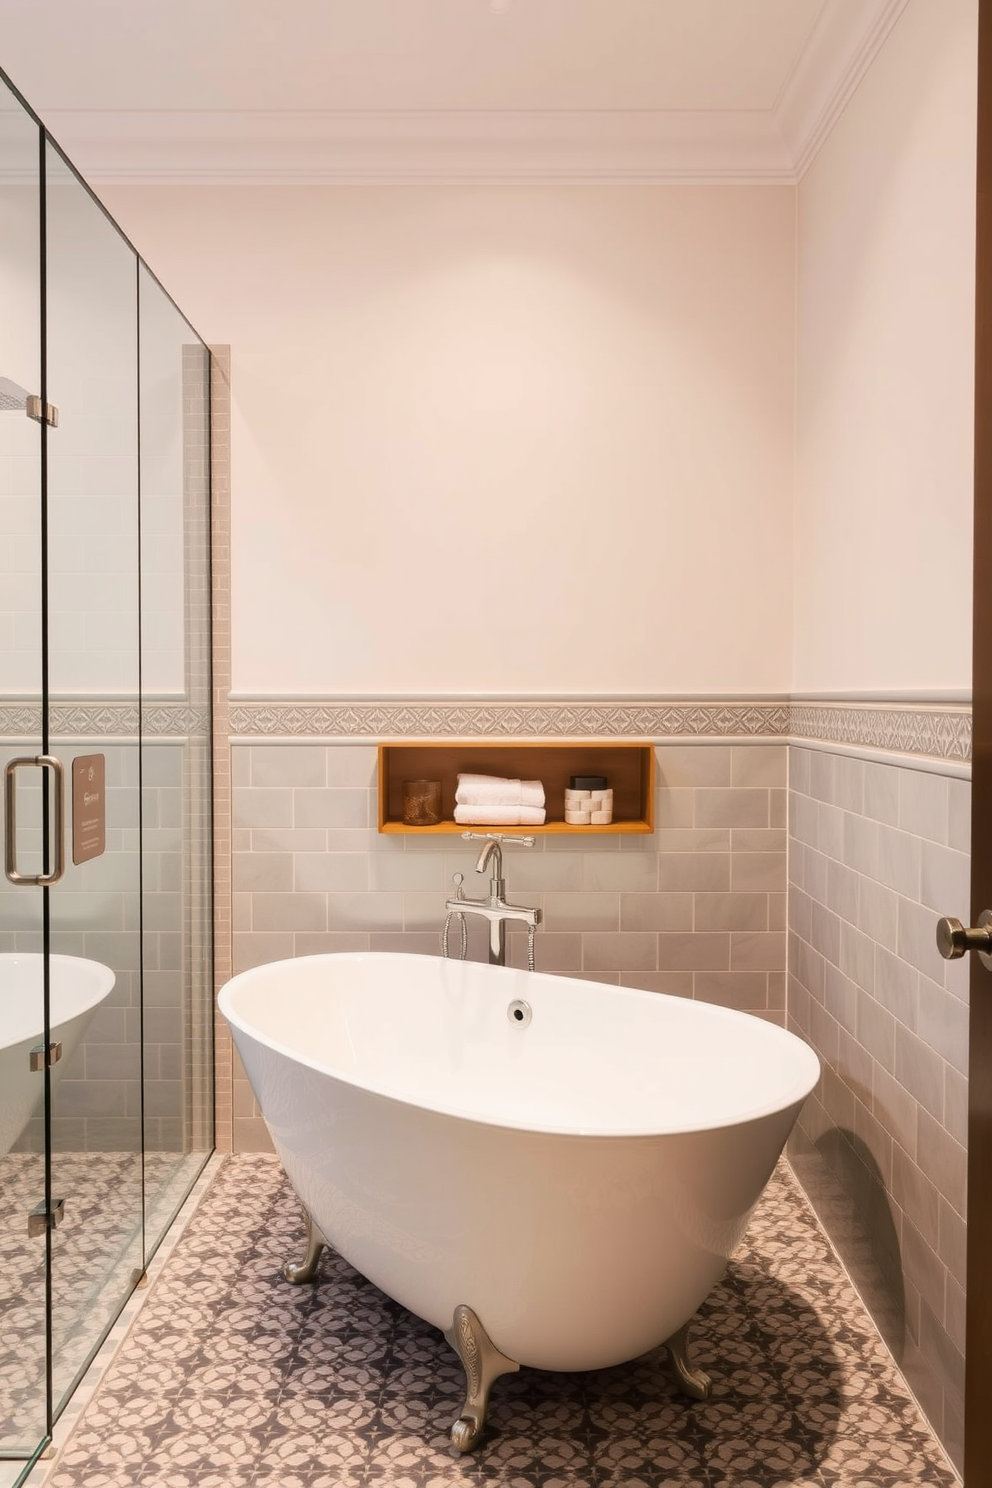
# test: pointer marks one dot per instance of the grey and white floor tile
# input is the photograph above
(230, 1378)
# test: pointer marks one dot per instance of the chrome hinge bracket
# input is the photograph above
(41, 412)
(46, 1217)
(37, 1059)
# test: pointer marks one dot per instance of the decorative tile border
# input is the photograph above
(101, 720)
(936, 731)
(638, 718)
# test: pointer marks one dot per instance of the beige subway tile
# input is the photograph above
(281, 912)
(881, 793)
(693, 951)
(682, 765)
(737, 807)
(240, 765)
(953, 1241)
(916, 939)
(730, 911)
(553, 952)
(251, 871)
(636, 872)
(899, 861)
(920, 1070)
(849, 784)
(544, 873)
(672, 983)
(759, 839)
(876, 1031)
(778, 911)
(675, 808)
(327, 942)
(351, 764)
(945, 880)
(689, 840)
(822, 765)
(752, 950)
(405, 871)
(956, 1104)
(582, 911)
(860, 848)
(916, 1195)
(322, 872)
(942, 1023)
(894, 1107)
(747, 991)
(287, 764)
(757, 871)
(878, 914)
(240, 917)
(372, 912)
(334, 807)
(842, 891)
(799, 769)
(959, 815)
(288, 839)
(830, 831)
(924, 804)
(603, 950)
(897, 986)
(261, 808)
(681, 872)
(760, 764)
(857, 956)
(426, 911)
(923, 1266)
(655, 912)
(410, 943)
(257, 949)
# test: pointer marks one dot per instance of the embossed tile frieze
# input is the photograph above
(101, 719)
(933, 731)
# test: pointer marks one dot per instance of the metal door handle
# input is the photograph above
(953, 939)
(44, 762)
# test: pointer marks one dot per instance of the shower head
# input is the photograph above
(13, 398)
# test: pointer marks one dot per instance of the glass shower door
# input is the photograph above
(94, 665)
(23, 905)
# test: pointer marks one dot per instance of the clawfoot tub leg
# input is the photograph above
(690, 1380)
(307, 1269)
(483, 1363)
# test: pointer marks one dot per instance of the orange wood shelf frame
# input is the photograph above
(627, 765)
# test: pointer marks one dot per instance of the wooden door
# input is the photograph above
(978, 1376)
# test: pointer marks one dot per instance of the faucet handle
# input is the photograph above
(499, 837)
(458, 879)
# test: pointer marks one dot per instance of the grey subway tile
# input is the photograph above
(351, 764)
(693, 950)
(332, 807)
(924, 804)
(287, 764)
(627, 951)
(323, 872)
(272, 871)
(656, 911)
(760, 764)
(799, 769)
(685, 871)
(633, 871)
(945, 880)
(757, 871)
(582, 911)
(746, 991)
(286, 912)
(736, 807)
(730, 911)
(687, 765)
(757, 950)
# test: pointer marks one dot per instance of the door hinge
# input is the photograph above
(46, 1217)
(36, 1056)
(41, 412)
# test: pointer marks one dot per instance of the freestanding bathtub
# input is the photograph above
(76, 988)
(552, 1171)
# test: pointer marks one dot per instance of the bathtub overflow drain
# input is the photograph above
(519, 1012)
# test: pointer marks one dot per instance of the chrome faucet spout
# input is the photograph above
(495, 910)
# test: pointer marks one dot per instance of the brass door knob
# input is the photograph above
(953, 939)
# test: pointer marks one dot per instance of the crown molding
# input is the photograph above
(828, 70)
(425, 148)
(616, 147)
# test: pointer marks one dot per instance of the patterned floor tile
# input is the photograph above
(233, 1379)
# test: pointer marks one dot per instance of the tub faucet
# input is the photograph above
(495, 909)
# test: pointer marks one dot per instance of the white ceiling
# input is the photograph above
(634, 90)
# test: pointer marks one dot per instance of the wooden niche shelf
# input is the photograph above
(628, 766)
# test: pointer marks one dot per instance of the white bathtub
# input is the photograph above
(579, 1181)
(77, 987)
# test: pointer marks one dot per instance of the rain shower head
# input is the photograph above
(13, 399)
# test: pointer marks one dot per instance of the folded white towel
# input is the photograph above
(494, 790)
(500, 816)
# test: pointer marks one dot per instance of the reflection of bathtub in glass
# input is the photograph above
(77, 988)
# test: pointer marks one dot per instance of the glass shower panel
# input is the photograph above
(174, 369)
(23, 1378)
(94, 687)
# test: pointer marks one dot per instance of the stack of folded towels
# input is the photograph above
(489, 800)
